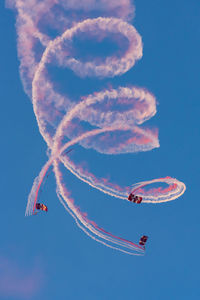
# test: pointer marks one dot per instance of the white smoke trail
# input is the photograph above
(37, 21)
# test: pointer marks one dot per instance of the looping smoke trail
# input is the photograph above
(109, 121)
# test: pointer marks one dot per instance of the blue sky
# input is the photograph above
(49, 253)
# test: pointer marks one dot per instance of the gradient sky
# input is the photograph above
(47, 256)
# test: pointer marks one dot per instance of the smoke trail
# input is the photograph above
(108, 121)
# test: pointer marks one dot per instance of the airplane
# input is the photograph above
(134, 198)
(143, 240)
(41, 206)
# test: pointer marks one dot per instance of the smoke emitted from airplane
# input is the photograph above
(108, 121)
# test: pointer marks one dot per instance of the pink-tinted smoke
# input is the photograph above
(108, 121)
(17, 281)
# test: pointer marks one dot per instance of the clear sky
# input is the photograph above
(47, 256)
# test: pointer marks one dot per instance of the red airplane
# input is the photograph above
(41, 206)
(143, 240)
(134, 198)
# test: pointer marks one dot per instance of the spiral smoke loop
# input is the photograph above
(108, 121)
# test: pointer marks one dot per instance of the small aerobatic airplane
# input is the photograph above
(40, 206)
(143, 240)
(134, 198)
